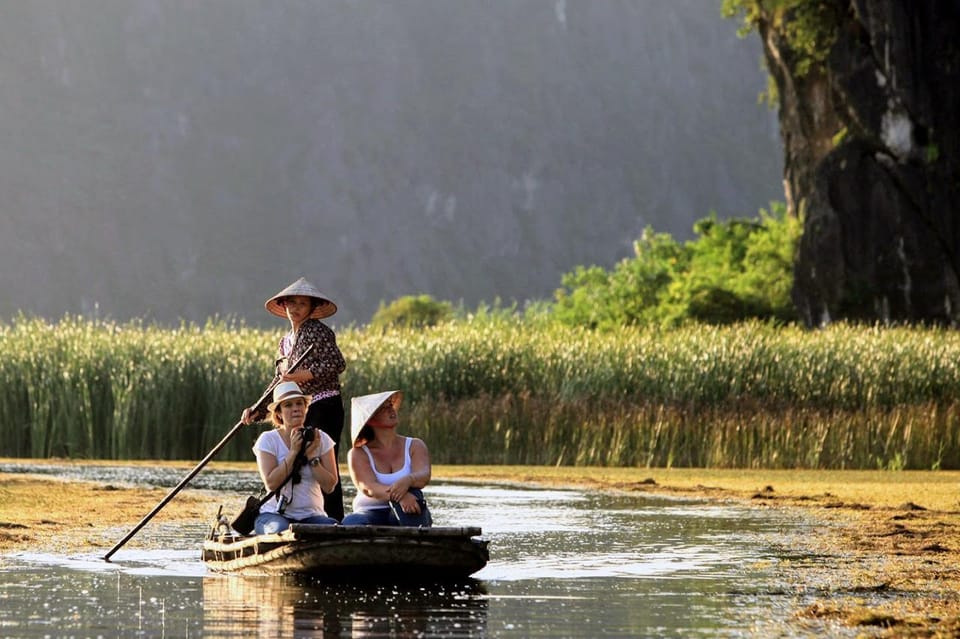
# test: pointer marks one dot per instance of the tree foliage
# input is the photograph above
(734, 270)
(809, 26)
(412, 311)
(630, 294)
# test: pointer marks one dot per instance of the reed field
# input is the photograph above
(502, 391)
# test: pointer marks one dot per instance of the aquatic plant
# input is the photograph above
(497, 390)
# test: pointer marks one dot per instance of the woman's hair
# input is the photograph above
(365, 436)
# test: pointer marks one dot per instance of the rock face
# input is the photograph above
(180, 160)
(872, 145)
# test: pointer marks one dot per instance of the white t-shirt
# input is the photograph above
(306, 498)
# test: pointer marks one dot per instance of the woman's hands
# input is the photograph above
(301, 376)
(313, 448)
(296, 439)
(329, 475)
(409, 504)
(399, 491)
(400, 488)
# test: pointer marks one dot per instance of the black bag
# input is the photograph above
(245, 521)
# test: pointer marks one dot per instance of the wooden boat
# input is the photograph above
(351, 552)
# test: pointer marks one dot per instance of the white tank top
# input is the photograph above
(363, 502)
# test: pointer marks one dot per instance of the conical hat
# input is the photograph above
(325, 308)
(363, 407)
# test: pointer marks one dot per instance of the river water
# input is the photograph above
(563, 563)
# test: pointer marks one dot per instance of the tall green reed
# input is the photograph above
(97, 389)
(838, 367)
(500, 391)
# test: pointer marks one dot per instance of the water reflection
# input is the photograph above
(55, 603)
(563, 563)
(290, 606)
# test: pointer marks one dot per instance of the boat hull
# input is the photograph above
(352, 552)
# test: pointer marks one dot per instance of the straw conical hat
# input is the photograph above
(325, 308)
(362, 408)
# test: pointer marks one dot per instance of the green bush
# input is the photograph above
(735, 270)
(629, 295)
(411, 311)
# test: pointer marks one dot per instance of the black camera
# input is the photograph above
(309, 434)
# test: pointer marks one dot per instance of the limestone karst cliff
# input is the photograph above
(182, 159)
(869, 94)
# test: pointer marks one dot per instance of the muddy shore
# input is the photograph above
(884, 557)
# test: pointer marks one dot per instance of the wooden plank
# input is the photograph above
(300, 531)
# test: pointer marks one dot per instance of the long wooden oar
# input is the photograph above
(203, 462)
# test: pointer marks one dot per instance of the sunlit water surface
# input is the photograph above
(563, 563)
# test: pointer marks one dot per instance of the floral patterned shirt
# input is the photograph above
(325, 361)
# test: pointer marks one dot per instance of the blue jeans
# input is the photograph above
(392, 515)
(274, 523)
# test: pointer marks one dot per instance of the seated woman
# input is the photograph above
(389, 470)
(285, 453)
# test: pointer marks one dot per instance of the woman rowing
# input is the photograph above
(319, 375)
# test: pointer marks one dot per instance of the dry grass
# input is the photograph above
(40, 513)
(881, 489)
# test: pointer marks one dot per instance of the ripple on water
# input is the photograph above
(182, 563)
(563, 563)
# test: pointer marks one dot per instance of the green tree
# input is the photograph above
(734, 270)
(739, 269)
(411, 311)
(630, 294)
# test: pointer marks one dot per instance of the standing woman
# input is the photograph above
(389, 470)
(319, 374)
